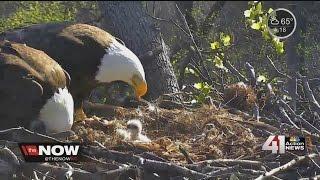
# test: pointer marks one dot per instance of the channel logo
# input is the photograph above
(280, 144)
(50, 152)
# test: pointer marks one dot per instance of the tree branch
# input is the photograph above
(235, 72)
(286, 166)
(311, 98)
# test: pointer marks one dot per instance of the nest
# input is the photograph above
(207, 142)
(205, 133)
(240, 96)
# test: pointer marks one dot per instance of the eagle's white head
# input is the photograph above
(121, 64)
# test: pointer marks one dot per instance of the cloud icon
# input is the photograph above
(274, 21)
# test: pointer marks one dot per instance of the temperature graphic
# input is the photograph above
(281, 23)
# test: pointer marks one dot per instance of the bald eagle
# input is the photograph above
(89, 54)
(33, 88)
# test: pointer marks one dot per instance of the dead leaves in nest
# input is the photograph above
(204, 133)
(240, 96)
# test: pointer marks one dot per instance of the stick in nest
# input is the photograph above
(286, 166)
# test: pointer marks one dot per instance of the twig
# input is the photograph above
(169, 21)
(59, 172)
(55, 171)
(286, 166)
(302, 120)
(226, 170)
(150, 155)
(252, 74)
(232, 162)
(235, 72)
(21, 134)
(171, 169)
(194, 44)
(276, 69)
(309, 93)
(287, 118)
(266, 120)
(186, 155)
(257, 124)
(151, 165)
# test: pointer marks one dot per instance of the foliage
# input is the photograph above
(204, 91)
(257, 19)
(33, 12)
(218, 47)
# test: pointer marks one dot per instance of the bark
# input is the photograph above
(129, 22)
(293, 59)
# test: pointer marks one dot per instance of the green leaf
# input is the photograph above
(226, 40)
(262, 78)
(247, 13)
(198, 85)
(218, 62)
(278, 45)
(256, 26)
(189, 70)
(270, 10)
(266, 35)
(259, 8)
(215, 45)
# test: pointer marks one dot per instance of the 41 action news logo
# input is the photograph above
(50, 152)
(280, 144)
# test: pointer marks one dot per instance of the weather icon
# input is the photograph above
(274, 21)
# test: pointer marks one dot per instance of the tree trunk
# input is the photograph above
(293, 59)
(129, 22)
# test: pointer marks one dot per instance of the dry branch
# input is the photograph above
(150, 165)
(286, 166)
(304, 122)
(194, 44)
(283, 75)
(21, 134)
(171, 169)
(252, 74)
(286, 117)
(235, 72)
(311, 98)
(243, 163)
(226, 170)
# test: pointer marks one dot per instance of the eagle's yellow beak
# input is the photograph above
(140, 86)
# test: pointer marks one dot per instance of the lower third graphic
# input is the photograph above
(280, 144)
(50, 152)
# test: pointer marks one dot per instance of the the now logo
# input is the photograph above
(50, 152)
(58, 150)
(276, 144)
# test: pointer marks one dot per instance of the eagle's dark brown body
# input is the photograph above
(28, 78)
(89, 54)
(78, 48)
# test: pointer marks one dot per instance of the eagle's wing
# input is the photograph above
(20, 92)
